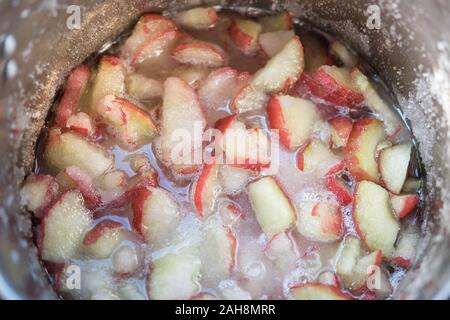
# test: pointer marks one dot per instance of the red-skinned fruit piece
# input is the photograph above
(38, 193)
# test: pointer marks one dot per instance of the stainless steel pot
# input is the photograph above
(408, 47)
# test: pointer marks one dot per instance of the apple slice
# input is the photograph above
(155, 214)
(276, 22)
(405, 250)
(197, 18)
(273, 42)
(233, 180)
(194, 76)
(62, 228)
(174, 277)
(343, 54)
(394, 163)
(317, 291)
(387, 114)
(200, 53)
(219, 251)
(281, 249)
(295, 118)
(373, 217)
(249, 99)
(360, 152)
(329, 278)
(143, 88)
(341, 128)
(73, 92)
(320, 221)
(104, 238)
(75, 177)
(113, 180)
(317, 156)
(207, 188)
(244, 33)
(81, 123)
(139, 162)
(182, 117)
(38, 193)
(126, 261)
(272, 207)
(340, 189)
(335, 85)
(130, 125)
(405, 204)
(69, 149)
(108, 80)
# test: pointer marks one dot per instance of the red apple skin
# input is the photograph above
(233, 248)
(276, 121)
(221, 55)
(343, 127)
(402, 262)
(409, 205)
(240, 38)
(225, 123)
(73, 91)
(86, 186)
(139, 198)
(341, 192)
(99, 230)
(52, 189)
(198, 193)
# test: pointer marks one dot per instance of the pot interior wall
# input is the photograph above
(414, 64)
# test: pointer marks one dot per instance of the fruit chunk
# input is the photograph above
(233, 180)
(329, 278)
(317, 291)
(295, 118)
(317, 156)
(316, 52)
(155, 214)
(102, 239)
(404, 204)
(139, 162)
(68, 149)
(373, 217)
(360, 151)
(229, 213)
(335, 85)
(272, 42)
(249, 99)
(405, 250)
(61, 230)
(130, 125)
(200, 53)
(341, 128)
(394, 163)
(126, 261)
(272, 208)
(390, 118)
(109, 80)
(38, 193)
(340, 51)
(81, 123)
(73, 91)
(340, 189)
(194, 76)
(174, 277)
(280, 248)
(320, 221)
(143, 88)
(197, 18)
(206, 190)
(276, 22)
(244, 34)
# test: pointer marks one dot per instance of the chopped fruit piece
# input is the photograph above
(233, 179)
(73, 91)
(126, 261)
(320, 221)
(207, 190)
(335, 85)
(182, 169)
(155, 214)
(194, 76)
(381, 146)
(104, 238)
(273, 42)
(38, 193)
(74, 177)
(282, 70)
(273, 209)
(249, 99)
(405, 250)
(81, 123)
(329, 278)
(403, 205)
(317, 291)
(340, 51)
(244, 34)
(130, 125)
(139, 162)
(109, 80)
(143, 88)
(130, 291)
(360, 151)
(386, 113)
(182, 113)
(295, 118)
(68, 149)
(365, 268)
(174, 277)
(200, 53)
(373, 217)
(316, 52)
(204, 296)
(394, 163)
(276, 22)
(230, 213)
(62, 228)
(281, 247)
(317, 156)
(231, 290)
(113, 180)
(341, 128)
(412, 185)
(197, 18)
(219, 249)
(340, 189)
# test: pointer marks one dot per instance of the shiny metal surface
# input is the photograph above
(410, 51)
